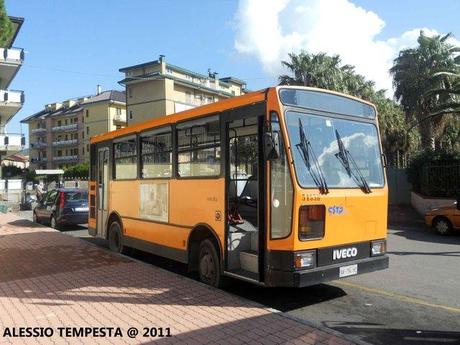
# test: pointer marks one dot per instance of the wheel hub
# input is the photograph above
(207, 267)
(442, 226)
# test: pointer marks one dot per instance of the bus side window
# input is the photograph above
(125, 158)
(156, 154)
(199, 149)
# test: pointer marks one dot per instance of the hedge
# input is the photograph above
(435, 173)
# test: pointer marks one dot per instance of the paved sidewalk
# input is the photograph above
(48, 279)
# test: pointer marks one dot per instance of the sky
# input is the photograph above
(72, 46)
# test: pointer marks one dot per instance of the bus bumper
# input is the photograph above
(323, 274)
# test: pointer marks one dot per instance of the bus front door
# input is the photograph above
(102, 190)
(244, 180)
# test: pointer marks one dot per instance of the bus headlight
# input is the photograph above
(311, 221)
(378, 247)
(304, 260)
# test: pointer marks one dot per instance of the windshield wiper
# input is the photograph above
(307, 153)
(352, 169)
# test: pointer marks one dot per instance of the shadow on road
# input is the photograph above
(285, 299)
(426, 235)
(378, 334)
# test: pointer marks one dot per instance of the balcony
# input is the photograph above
(65, 142)
(38, 145)
(119, 119)
(65, 158)
(39, 160)
(10, 62)
(72, 127)
(11, 142)
(10, 103)
(38, 130)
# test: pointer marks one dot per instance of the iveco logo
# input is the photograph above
(344, 253)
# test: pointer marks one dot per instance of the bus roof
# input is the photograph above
(226, 104)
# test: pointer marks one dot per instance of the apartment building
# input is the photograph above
(59, 134)
(158, 88)
(11, 101)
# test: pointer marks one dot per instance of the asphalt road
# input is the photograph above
(415, 301)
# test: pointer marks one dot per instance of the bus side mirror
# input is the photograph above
(271, 145)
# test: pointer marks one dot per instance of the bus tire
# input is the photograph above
(442, 225)
(209, 264)
(115, 238)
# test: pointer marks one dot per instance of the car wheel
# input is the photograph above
(53, 223)
(442, 225)
(35, 217)
(209, 265)
(116, 239)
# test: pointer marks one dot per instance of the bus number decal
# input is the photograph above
(336, 210)
(310, 197)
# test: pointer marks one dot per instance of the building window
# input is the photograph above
(169, 71)
(125, 159)
(59, 153)
(199, 147)
(118, 111)
(65, 122)
(83, 135)
(156, 154)
(188, 97)
(87, 113)
(130, 114)
(87, 130)
(59, 123)
(83, 151)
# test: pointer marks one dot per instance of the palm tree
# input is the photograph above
(416, 74)
(315, 70)
(323, 71)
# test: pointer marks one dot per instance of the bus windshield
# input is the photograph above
(330, 139)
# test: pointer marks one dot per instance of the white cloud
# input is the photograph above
(270, 29)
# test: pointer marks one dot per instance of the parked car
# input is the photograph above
(62, 206)
(444, 219)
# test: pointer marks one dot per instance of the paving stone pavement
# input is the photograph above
(49, 279)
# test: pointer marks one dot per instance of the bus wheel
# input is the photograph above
(208, 265)
(116, 238)
(442, 225)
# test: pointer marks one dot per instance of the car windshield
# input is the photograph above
(76, 196)
(330, 138)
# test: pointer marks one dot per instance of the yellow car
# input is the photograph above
(444, 219)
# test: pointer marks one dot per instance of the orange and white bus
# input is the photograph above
(280, 187)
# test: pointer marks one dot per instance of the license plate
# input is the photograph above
(350, 270)
(81, 209)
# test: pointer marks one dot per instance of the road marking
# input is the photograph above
(399, 297)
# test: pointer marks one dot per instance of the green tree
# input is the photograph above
(77, 171)
(417, 83)
(6, 27)
(327, 72)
